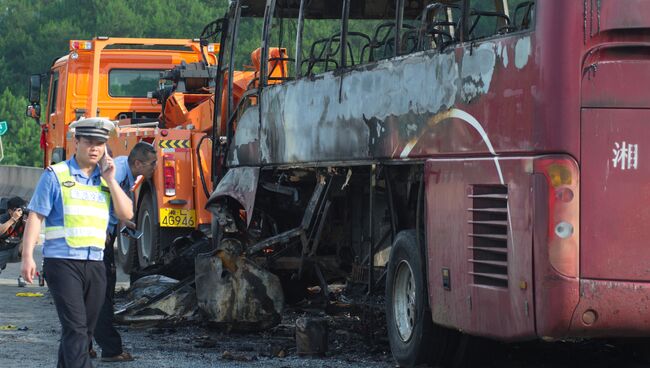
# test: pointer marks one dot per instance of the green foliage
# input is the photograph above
(21, 141)
(35, 33)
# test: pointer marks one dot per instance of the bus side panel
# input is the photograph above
(623, 14)
(479, 246)
(612, 309)
(616, 193)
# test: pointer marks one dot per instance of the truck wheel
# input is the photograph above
(148, 223)
(126, 253)
(413, 337)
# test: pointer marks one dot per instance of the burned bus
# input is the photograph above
(482, 159)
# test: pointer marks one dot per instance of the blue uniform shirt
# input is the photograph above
(47, 201)
(124, 177)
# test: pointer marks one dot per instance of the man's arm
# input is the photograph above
(46, 193)
(11, 222)
(30, 237)
(121, 202)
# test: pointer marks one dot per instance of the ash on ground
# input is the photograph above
(356, 332)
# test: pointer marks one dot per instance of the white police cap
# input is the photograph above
(95, 128)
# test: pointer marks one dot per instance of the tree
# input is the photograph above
(21, 141)
(34, 33)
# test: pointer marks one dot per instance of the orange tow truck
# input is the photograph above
(114, 78)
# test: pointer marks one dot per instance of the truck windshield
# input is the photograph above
(132, 83)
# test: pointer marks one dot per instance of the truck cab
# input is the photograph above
(108, 77)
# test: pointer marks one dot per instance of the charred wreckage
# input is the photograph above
(323, 166)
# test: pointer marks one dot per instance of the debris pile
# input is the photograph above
(234, 291)
(158, 298)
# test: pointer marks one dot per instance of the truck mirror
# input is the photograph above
(33, 111)
(35, 88)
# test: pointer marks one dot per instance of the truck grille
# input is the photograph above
(489, 235)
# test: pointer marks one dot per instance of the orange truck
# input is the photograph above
(115, 78)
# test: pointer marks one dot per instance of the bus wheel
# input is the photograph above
(413, 338)
(126, 254)
(148, 223)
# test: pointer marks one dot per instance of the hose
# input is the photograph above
(200, 162)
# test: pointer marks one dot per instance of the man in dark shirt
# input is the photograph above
(140, 162)
(12, 225)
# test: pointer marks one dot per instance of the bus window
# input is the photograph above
(496, 17)
(54, 91)
(370, 40)
(439, 26)
(521, 14)
(249, 35)
(320, 51)
(409, 35)
(370, 37)
(433, 27)
(282, 47)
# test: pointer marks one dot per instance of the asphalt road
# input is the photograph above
(35, 342)
(32, 342)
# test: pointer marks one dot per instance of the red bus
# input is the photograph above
(482, 159)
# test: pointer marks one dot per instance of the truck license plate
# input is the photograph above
(172, 217)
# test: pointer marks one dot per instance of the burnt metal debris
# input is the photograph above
(311, 336)
(159, 298)
(234, 291)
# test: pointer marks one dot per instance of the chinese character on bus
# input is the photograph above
(626, 155)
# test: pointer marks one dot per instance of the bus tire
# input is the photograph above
(148, 244)
(413, 337)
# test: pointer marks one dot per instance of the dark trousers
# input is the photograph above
(106, 335)
(8, 254)
(78, 289)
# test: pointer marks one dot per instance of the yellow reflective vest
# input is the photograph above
(85, 211)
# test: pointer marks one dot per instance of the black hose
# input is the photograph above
(200, 162)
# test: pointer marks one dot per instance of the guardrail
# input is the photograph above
(18, 181)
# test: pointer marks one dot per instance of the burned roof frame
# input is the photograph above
(328, 9)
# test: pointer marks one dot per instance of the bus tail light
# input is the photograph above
(169, 175)
(563, 201)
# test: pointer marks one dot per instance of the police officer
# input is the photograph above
(73, 198)
(141, 161)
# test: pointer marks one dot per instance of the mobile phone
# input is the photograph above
(102, 163)
(131, 233)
